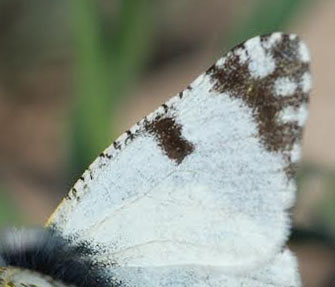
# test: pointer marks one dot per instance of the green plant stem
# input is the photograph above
(104, 72)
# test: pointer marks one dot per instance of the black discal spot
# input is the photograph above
(258, 94)
(168, 134)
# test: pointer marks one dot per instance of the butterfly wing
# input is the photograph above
(271, 275)
(207, 178)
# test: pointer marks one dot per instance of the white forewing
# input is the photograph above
(207, 178)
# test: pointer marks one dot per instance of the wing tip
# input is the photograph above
(271, 75)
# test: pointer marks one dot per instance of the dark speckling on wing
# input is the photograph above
(48, 253)
(258, 93)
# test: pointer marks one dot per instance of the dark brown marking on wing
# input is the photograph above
(130, 137)
(170, 139)
(165, 107)
(116, 145)
(236, 80)
(72, 194)
(90, 173)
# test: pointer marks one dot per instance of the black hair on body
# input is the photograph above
(45, 251)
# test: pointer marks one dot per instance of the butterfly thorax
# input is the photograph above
(18, 277)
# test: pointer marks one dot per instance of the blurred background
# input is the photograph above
(75, 74)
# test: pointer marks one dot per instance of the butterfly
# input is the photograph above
(198, 193)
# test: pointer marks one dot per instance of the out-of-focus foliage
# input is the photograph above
(266, 17)
(316, 186)
(30, 32)
(8, 213)
(108, 60)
